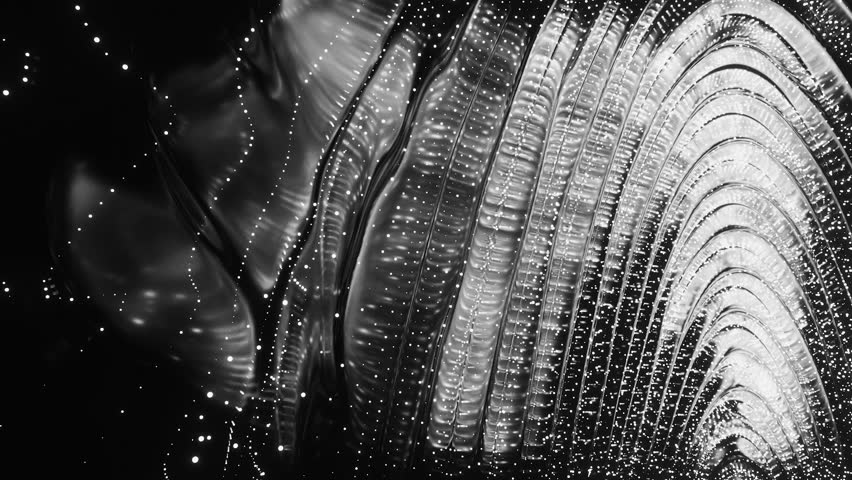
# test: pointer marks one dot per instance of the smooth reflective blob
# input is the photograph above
(513, 239)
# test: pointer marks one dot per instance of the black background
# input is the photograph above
(79, 402)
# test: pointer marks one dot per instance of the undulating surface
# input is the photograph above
(501, 238)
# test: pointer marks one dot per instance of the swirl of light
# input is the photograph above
(517, 239)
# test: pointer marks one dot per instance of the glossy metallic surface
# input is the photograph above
(510, 238)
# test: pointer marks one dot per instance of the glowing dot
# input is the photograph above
(5, 93)
(194, 459)
(124, 66)
(209, 394)
(97, 39)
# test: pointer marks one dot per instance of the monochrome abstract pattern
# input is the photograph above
(429, 239)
